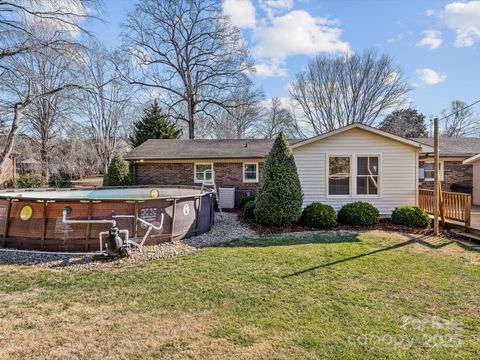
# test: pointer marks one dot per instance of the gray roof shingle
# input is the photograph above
(161, 149)
(467, 146)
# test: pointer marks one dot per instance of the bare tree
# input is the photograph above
(242, 118)
(106, 104)
(277, 119)
(45, 69)
(459, 120)
(188, 51)
(17, 36)
(23, 31)
(338, 91)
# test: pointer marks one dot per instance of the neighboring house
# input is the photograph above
(455, 173)
(354, 163)
(474, 161)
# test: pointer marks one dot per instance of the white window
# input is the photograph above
(429, 171)
(200, 173)
(339, 174)
(250, 172)
(368, 175)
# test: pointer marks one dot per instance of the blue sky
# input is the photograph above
(436, 43)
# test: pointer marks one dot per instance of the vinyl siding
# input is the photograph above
(398, 165)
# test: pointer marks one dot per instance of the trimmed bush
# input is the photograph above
(118, 173)
(29, 181)
(279, 195)
(358, 213)
(249, 209)
(319, 216)
(411, 216)
(244, 200)
(61, 179)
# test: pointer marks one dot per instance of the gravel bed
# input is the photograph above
(224, 230)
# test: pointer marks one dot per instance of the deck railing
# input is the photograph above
(453, 206)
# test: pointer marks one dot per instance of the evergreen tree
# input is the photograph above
(118, 173)
(408, 123)
(279, 197)
(154, 125)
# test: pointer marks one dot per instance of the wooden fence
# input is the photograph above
(453, 206)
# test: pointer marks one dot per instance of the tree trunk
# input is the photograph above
(7, 150)
(44, 161)
(191, 120)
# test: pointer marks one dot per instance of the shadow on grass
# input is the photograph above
(429, 241)
(396, 246)
(294, 239)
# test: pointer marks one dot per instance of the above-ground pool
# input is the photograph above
(33, 219)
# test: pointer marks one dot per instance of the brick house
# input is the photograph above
(239, 163)
(354, 162)
(236, 163)
(455, 174)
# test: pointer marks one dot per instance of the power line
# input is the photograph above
(455, 112)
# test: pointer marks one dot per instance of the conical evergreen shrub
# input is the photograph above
(154, 125)
(118, 173)
(279, 197)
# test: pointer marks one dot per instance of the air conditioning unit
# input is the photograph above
(226, 197)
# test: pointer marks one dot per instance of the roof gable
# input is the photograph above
(365, 128)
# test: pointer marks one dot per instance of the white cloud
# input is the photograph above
(430, 12)
(430, 77)
(241, 12)
(432, 39)
(464, 19)
(298, 33)
(274, 7)
(270, 69)
(278, 4)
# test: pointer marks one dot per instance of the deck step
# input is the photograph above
(475, 238)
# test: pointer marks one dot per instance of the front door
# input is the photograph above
(476, 183)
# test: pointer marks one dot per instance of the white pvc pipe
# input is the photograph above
(157, 227)
(67, 221)
(150, 227)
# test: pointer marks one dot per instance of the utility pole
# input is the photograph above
(436, 188)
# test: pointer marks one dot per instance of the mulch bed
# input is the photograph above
(383, 225)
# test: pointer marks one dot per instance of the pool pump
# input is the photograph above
(115, 244)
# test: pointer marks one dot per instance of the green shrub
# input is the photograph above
(279, 197)
(29, 181)
(358, 213)
(319, 216)
(61, 179)
(411, 216)
(118, 173)
(249, 209)
(244, 200)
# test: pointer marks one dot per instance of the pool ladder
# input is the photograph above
(212, 183)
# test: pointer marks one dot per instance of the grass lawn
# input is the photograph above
(372, 295)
